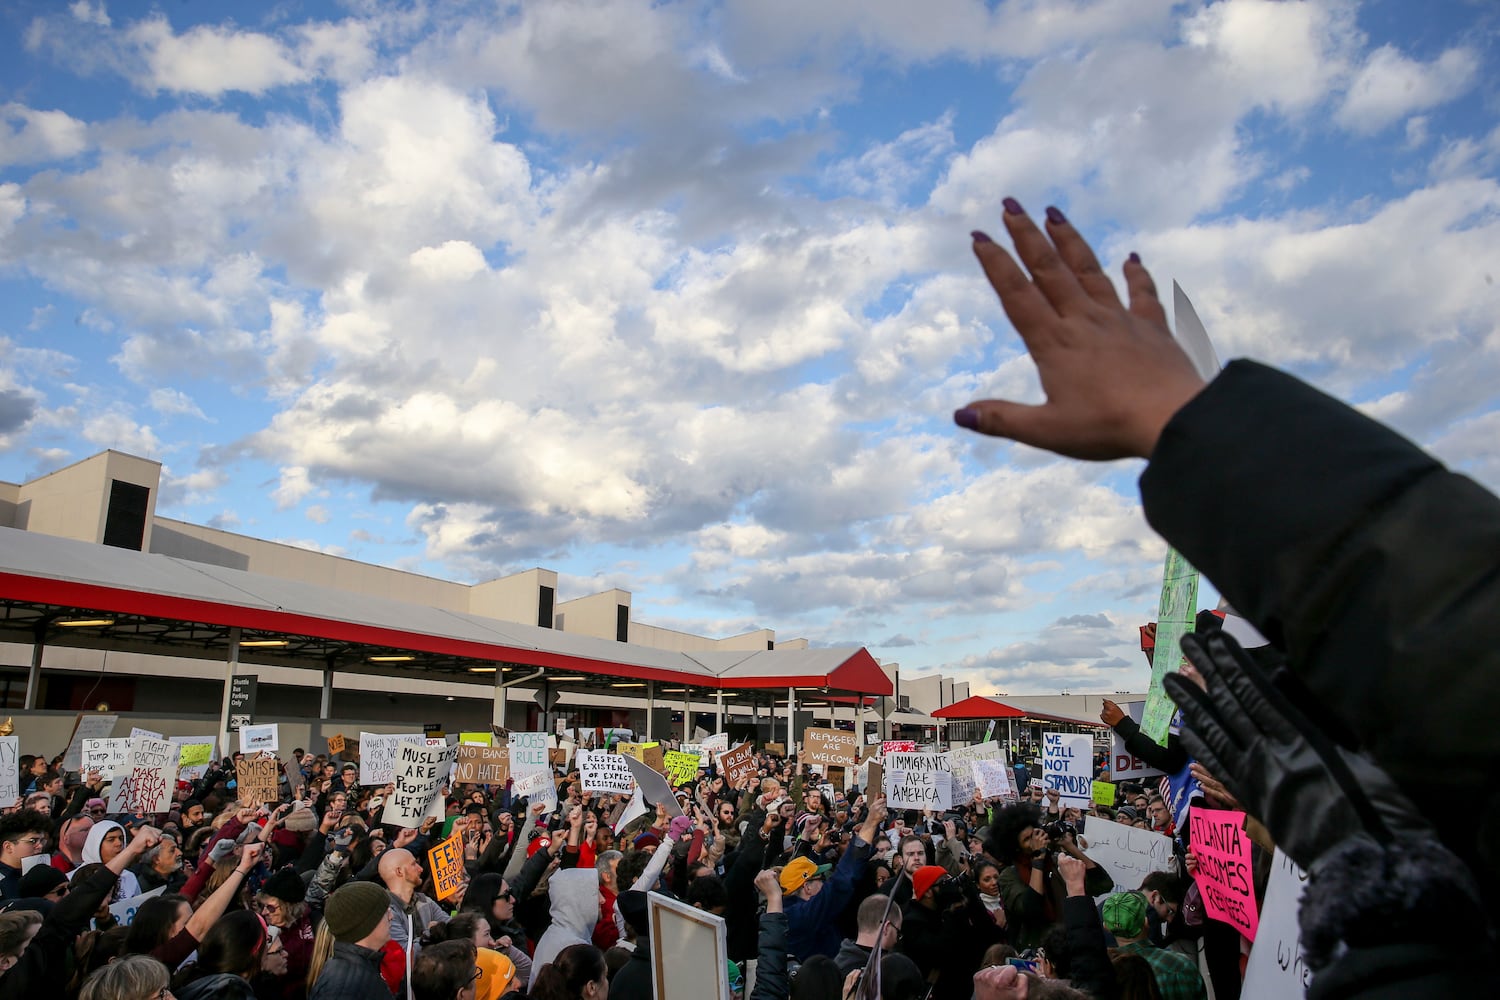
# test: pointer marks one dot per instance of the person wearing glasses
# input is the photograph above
(282, 901)
(133, 977)
(23, 834)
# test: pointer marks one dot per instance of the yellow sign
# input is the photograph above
(681, 767)
(194, 754)
(474, 739)
(1104, 793)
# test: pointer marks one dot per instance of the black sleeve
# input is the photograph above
(1088, 958)
(1169, 759)
(1369, 564)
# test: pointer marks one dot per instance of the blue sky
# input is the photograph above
(677, 297)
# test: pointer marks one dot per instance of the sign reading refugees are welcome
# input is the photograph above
(830, 748)
(1218, 840)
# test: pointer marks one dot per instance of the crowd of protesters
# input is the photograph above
(1366, 566)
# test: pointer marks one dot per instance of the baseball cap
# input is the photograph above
(923, 878)
(799, 870)
(1124, 913)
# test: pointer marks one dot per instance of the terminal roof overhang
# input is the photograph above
(979, 707)
(164, 605)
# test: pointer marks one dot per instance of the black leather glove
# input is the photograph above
(1310, 793)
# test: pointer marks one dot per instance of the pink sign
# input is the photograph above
(898, 746)
(1218, 840)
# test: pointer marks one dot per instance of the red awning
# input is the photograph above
(978, 708)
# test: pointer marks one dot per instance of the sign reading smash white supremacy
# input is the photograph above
(419, 775)
(918, 781)
(602, 771)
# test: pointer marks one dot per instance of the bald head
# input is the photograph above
(397, 867)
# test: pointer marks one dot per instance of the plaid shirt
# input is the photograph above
(1177, 976)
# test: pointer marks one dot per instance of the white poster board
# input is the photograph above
(1128, 853)
(254, 739)
(1124, 765)
(153, 775)
(1276, 967)
(377, 755)
(602, 771)
(418, 777)
(528, 754)
(124, 911)
(1068, 766)
(89, 727)
(692, 945)
(993, 778)
(964, 785)
(10, 768)
(918, 781)
(109, 757)
(535, 787)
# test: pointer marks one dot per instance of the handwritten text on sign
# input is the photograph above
(602, 771)
(1128, 853)
(419, 776)
(830, 748)
(1223, 851)
(738, 764)
(1277, 967)
(377, 756)
(1068, 766)
(482, 765)
(153, 775)
(959, 762)
(918, 781)
(255, 779)
(446, 862)
(681, 767)
(528, 754)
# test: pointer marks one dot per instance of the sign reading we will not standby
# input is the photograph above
(1068, 766)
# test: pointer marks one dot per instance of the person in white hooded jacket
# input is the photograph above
(574, 897)
(107, 839)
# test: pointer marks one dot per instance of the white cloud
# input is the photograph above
(28, 135)
(294, 487)
(211, 60)
(115, 428)
(1390, 86)
(90, 12)
(174, 402)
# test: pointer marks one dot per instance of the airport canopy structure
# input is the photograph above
(979, 708)
(62, 592)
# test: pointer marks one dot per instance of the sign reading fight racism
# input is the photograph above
(377, 755)
(830, 748)
(482, 765)
(1218, 840)
(255, 779)
(418, 778)
(1068, 766)
(738, 764)
(918, 781)
(153, 775)
(602, 771)
(446, 862)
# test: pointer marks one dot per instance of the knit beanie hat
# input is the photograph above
(354, 909)
(287, 886)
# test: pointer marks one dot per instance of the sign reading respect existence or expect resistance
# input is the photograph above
(602, 771)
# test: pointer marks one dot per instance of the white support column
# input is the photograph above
(230, 668)
(719, 711)
(791, 720)
(34, 675)
(687, 715)
(502, 699)
(650, 710)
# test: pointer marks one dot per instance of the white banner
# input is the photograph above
(1068, 766)
(1128, 853)
(602, 771)
(964, 785)
(377, 755)
(1276, 967)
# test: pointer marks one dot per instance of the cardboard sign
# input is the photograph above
(738, 764)
(377, 756)
(829, 748)
(86, 727)
(682, 768)
(1277, 967)
(481, 765)
(153, 775)
(1128, 853)
(1218, 840)
(254, 739)
(959, 760)
(1104, 793)
(535, 787)
(335, 745)
(993, 778)
(1068, 766)
(874, 780)
(445, 860)
(10, 764)
(898, 746)
(776, 749)
(109, 757)
(528, 754)
(918, 781)
(693, 944)
(654, 757)
(255, 780)
(419, 774)
(602, 771)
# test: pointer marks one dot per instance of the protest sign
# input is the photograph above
(335, 745)
(474, 739)
(10, 763)
(124, 911)
(959, 760)
(1128, 853)
(681, 767)
(829, 748)
(195, 751)
(653, 787)
(418, 777)
(136, 732)
(109, 757)
(602, 771)
(918, 781)
(717, 743)
(528, 754)
(738, 764)
(654, 757)
(776, 749)
(697, 750)
(898, 746)
(1068, 766)
(1104, 793)
(1277, 967)
(1124, 765)
(874, 780)
(254, 739)
(1217, 837)
(535, 787)
(377, 756)
(255, 779)
(153, 775)
(87, 727)
(481, 765)
(993, 778)
(693, 944)
(1176, 614)
(445, 860)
